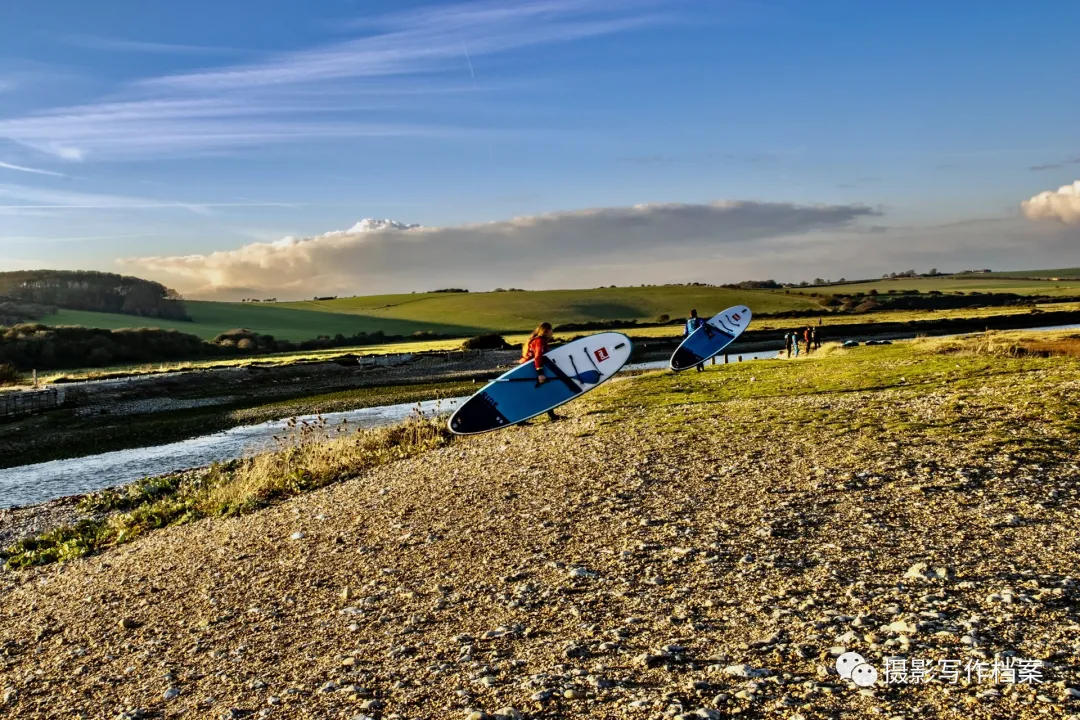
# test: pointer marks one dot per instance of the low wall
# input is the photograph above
(18, 404)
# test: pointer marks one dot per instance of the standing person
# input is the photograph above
(795, 342)
(534, 349)
(816, 338)
(806, 336)
(787, 343)
(692, 324)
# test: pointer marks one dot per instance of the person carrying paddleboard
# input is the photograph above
(534, 349)
(692, 324)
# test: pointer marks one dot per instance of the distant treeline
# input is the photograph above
(753, 285)
(95, 291)
(933, 300)
(34, 346)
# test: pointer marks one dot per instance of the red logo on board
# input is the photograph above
(601, 354)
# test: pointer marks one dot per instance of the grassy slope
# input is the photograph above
(521, 311)
(459, 314)
(212, 318)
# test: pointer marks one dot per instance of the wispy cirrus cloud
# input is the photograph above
(15, 198)
(37, 239)
(427, 40)
(254, 103)
(28, 200)
(35, 171)
(1055, 165)
(110, 44)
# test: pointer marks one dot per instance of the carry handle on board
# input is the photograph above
(589, 377)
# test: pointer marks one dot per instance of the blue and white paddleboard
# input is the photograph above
(716, 334)
(571, 370)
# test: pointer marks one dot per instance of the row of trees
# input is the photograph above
(933, 300)
(33, 346)
(94, 291)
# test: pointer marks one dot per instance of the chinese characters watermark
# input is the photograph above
(919, 671)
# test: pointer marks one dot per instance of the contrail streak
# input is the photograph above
(468, 59)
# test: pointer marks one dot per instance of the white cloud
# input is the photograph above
(1062, 205)
(513, 252)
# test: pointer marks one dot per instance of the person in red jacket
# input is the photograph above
(534, 350)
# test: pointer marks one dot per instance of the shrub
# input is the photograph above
(491, 341)
(8, 374)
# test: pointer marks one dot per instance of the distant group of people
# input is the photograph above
(807, 337)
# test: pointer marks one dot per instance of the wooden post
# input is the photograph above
(725, 358)
(740, 358)
(713, 359)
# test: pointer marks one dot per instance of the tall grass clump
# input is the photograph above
(305, 460)
(1008, 344)
(310, 456)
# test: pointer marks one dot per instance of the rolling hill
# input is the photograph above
(458, 314)
(466, 314)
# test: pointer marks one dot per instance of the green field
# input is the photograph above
(467, 314)
(1071, 273)
(522, 311)
(213, 318)
(457, 314)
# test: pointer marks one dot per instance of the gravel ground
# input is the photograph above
(19, 522)
(714, 564)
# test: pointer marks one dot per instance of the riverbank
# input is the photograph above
(154, 410)
(679, 543)
(70, 434)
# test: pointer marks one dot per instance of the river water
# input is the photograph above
(29, 484)
(36, 483)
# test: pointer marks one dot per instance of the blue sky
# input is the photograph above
(153, 130)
